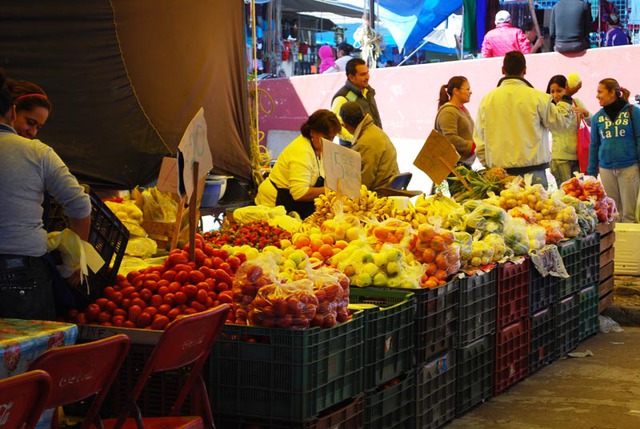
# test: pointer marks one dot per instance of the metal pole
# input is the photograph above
(414, 51)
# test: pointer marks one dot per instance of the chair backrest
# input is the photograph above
(23, 397)
(80, 371)
(400, 181)
(187, 341)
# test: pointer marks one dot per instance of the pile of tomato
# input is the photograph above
(256, 234)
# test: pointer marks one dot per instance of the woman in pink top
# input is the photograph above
(504, 38)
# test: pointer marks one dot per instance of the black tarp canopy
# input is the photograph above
(126, 77)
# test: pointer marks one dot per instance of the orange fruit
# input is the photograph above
(301, 241)
(315, 244)
(328, 239)
(341, 244)
(437, 243)
(326, 250)
(441, 261)
(429, 255)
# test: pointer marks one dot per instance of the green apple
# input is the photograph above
(380, 279)
(393, 268)
(394, 282)
(393, 254)
(289, 264)
(297, 256)
(380, 259)
(370, 268)
(363, 280)
(352, 233)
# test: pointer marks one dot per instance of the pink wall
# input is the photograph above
(407, 96)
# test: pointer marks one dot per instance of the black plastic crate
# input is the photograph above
(286, 374)
(542, 290)
(392, 405)
(474, 374)
(348, 414)
(477, 308)
(512, 293)
(107, 235)
(567, 324)
(572, 258)
(160, 391)
(589, 323)
(590, 255)
(436, 320)
(542, 349)
(388, 332)
(512, 352)
(435, 394)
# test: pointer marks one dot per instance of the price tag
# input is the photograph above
(437, 157)
(342, 165)
(168, 177)
(194, 147)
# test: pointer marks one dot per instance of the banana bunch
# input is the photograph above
(367, 205)
(433, 210)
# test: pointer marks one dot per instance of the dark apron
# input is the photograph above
(303, 208)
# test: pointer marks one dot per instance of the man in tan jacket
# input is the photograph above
(379, 157)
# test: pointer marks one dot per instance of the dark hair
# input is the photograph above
(559, 80)
(613, 85)
(446, 91)
(346, 48)
(527, 26)
(352, 64)
(5, 95)
(20, 95)
(351, 113)
(514, 63)
(613, 19)
(322, 121)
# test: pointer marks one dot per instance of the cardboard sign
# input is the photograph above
(168, 177)
(194, 147)
(341, 165)
(437, 157)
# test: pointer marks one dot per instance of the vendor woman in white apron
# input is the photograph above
(297, 177)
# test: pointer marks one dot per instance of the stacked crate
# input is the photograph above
(542, 300)
(389, 375)
(284, 377)
(567, 311)
(588, 295)
(512, 325)
(436, 328)
(605, 287)
(475, 346)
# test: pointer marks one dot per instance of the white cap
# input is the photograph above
(502, 16)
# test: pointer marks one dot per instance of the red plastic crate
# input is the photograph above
(512, 288)
(512, 351)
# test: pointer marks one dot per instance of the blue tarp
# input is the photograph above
(408, 21)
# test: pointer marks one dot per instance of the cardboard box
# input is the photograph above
(627, 249)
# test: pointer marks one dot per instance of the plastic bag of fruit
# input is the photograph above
(553, 231)
(391, 230)
(515, 235)
(250, 277)
(291, 305)
(331, 288)
(436, 248)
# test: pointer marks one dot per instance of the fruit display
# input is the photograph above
(153, 297)
(250, 277)
(256, 234)
(437, 249)
(367, 205)
(478, 216)
(587, 188)
(392, 231)
(291, 305)
(433, 210)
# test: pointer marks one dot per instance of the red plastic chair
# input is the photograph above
(187, 341)
(23, 398)
(80, 371)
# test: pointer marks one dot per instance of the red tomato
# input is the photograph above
(180, 298)
(134, 313)
(91, 312)
(159, 322)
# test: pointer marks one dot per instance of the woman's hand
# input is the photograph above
(580, 111)
(572, 90)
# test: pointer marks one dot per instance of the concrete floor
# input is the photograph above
(596, 392)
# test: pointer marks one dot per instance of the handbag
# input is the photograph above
(584, 141)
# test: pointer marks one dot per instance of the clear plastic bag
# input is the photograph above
(607, 324)
(292, 305)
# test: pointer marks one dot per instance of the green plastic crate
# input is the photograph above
(589, 323)
(572, 258)
(286, 374)
(388, 332)
(391, 406)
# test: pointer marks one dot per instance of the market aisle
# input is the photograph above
(597, 392)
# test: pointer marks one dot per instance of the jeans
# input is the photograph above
(25, 288)
(623, 184)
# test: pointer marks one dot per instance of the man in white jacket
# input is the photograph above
(513, 123)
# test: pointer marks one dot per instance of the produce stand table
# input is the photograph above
(22, 341)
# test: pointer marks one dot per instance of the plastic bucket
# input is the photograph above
(211, 193)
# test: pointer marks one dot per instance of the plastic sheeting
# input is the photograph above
(126, 77)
